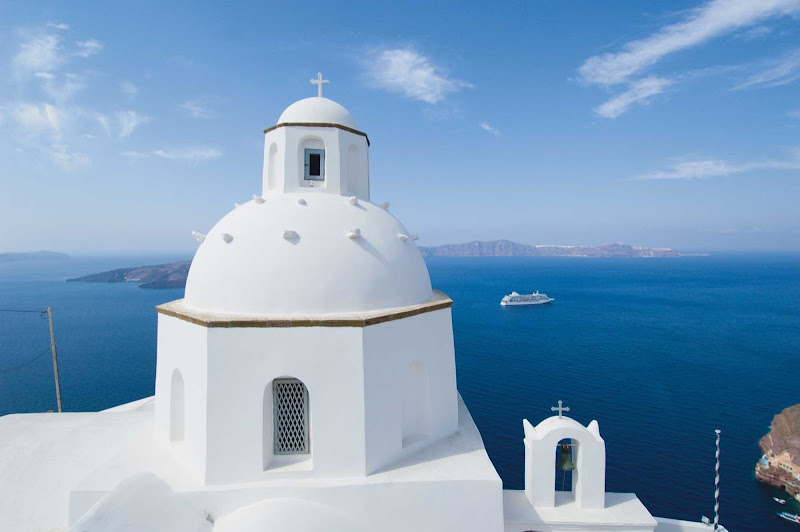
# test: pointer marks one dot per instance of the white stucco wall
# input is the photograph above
(242, 365)
(389, 349)
(183, 346)
(357, 387)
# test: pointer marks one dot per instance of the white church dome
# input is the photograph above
(317, 110)
(306, 254)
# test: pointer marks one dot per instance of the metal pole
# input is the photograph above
(55, 359)
(716, 487)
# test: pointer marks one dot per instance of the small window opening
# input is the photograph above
(290, 404)
(314, 165)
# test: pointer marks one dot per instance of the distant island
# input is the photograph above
(507, 248)
(17, 256)
(779, 466)
(173, 275)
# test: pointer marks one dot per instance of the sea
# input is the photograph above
(660, 351)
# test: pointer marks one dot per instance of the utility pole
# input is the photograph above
(716, 486)
(55, 359)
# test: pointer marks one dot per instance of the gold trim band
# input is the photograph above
(318, 124)
(176, 309)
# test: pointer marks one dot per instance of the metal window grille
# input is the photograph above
(290, 414)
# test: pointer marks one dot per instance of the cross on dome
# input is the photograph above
(560, 409)
(318, 82)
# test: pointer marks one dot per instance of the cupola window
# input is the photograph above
(314, 164)
(290, 415)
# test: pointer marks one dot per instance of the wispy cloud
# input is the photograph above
(88, 48)
(190, 155)
(39, 53)
(42, 52)
(53, 126)
(34, 119)
(128, 121)
(122, 123)
(711, 20)
(128, 88)
(781, 72)
(67, 160)
(40, 127)
(199, 107)
(754, 33)
(703, 169)
(407, 72)
(186, 155)
(640, 92)
(486, 126)
(697, 26)
(61, 87)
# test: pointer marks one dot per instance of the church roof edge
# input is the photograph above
(176, 309)
(318, 124)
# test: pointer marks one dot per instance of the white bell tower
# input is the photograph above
(316, 147)
(582, 505)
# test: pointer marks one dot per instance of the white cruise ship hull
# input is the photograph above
(519, 303)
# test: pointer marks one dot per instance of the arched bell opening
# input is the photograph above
(566, 466)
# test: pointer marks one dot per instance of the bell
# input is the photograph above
(565, 462)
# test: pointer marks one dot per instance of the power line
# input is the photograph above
(31, 361)
(48, 315)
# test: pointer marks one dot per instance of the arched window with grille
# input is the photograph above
(290, 417)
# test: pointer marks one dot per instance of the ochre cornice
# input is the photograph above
(318, 124)
(176, 309)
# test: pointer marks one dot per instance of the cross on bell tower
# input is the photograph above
(560, 409)
(318, 82)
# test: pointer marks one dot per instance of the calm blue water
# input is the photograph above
(660, 351)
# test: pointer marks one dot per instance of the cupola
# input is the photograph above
(316, 147)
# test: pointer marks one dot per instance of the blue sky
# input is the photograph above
(125, 126)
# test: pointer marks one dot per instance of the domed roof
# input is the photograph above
(315, 268)
(318, 111)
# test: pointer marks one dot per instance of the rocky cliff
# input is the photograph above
(780, 463)
(171, 275)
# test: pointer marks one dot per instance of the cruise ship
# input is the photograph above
(526, 299)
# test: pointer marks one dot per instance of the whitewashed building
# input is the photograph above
(305, 382)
